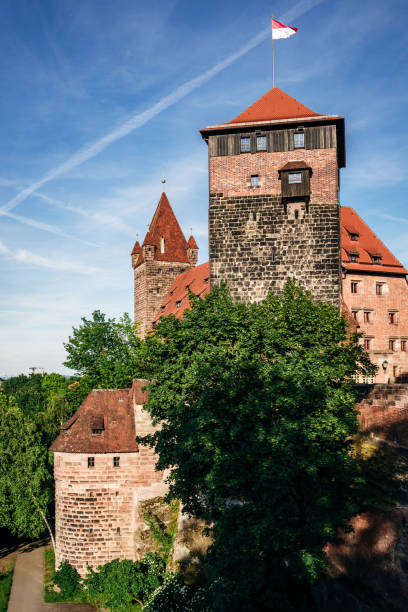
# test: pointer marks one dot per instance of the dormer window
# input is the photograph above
(353, 256)
(261, 143)
(97, 425)
(299, 140)
(376, 259)
(295, 177)
(178, 303)
(354, 237)
(162, 245)
(245, 144)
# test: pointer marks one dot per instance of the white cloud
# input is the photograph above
(52, 263)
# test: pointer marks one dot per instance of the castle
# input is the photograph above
(274, 213)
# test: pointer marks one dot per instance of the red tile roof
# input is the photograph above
(165, 225)
(192, 243)
(295, 165)
(176, 301)
(367, 246)
(137, 249)
(275, 104)
(110, 408)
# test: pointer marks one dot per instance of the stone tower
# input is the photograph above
(274, 199)
(164, 254)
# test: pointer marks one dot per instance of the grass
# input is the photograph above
(6, 578)
(51, 596)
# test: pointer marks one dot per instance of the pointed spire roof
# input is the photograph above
(192, 243)
(136, 249)
(272, 106)
(165, 234)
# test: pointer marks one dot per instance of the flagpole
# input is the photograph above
(273, 57)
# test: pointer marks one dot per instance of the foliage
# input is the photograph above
(67, 579)
(27, 392)
(162, 535)
(172, 596)
(6, 578)
(105, 350)
(26, 482)
(120, 583)
(256, 405)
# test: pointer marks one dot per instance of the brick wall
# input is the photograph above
(231, 174)
(394, 297)
(255, 246)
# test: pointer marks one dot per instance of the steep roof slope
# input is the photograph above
(366, 247)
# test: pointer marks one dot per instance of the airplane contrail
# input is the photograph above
(140, 119)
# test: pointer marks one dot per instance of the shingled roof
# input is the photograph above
(110, 411)
(359, 240)
(165, 226)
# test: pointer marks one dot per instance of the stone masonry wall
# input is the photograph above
(384, 412)
(231, 174)
(151, 287)
(256, 245)
(97, 509)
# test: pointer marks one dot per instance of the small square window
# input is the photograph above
(178, 304)
(261, 143)
(354, 287)
(353, 256)
(379, 288)
(118, 530)
(91, 462)
(299, 140)
(403, 346)
(376, 259)
(116, 461)
(353, 237)
(159, 270)
(245, 144)
(367, 316)
(254, 180)
(295, 177)
(391, 344)
(367, 343)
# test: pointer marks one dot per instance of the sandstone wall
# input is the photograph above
(384, 412)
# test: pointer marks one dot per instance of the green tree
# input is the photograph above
(256, 405)
(104, 350)
(27, 391)
(26, 482)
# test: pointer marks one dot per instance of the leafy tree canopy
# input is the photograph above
(104, 350)
(256, 405)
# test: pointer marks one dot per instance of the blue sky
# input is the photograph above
(96, 111)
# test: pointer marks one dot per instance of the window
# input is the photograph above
(379, 288)
(245, 144)
(353, 236)
(254, 180)
(367, 316)
(159, 270)
(261, 143)
(118, 530)
(376, 259)
(353, 256)
(170, 270)
(178, 304)
(295, 177)
(367, 343)
(392, 317)
(162, 245)
(391, 344)
(354, 287)
(91, 462)
(395, 371)
(354, 313)
(403, 346)
(97, 432)
(298, 140)
(116, 461)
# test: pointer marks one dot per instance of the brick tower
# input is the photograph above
(163, 255)
(274, 199)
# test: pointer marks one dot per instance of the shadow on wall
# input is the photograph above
(368, 568)
(384, 412)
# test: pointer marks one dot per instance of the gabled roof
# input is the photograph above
(110, 408)
(176, 301)
(366, 246)
(275, 104)
(165, 225)
(192, 243)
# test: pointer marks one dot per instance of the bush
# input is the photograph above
(67, 579)
(118, 584)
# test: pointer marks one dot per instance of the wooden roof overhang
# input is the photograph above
(275, 124)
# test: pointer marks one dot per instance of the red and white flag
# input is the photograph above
(280, 30)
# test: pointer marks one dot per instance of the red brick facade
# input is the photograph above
(231, 174)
